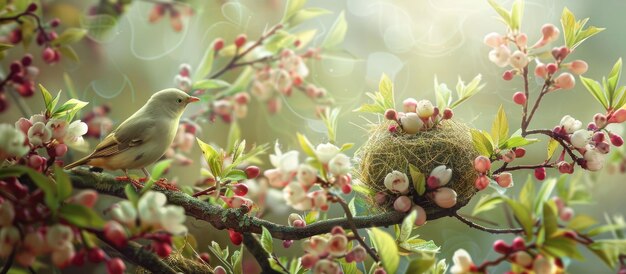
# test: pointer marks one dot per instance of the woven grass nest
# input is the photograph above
(447, 144)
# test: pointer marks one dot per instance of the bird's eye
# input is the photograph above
(179, 100)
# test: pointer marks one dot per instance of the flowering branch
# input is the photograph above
(233, 62)
(135, 253)
(350, 221)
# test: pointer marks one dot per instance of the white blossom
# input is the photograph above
(75, 132)
(397, 182)
(462, 262)
(500, 55)
(442, 173)
(570, 124)
(325, 152)
(340, 165)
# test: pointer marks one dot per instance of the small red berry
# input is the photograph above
(48, 55)
(162, 249)
(235, 237)
(346, 189)
(205, 257)
(616, 140)
(518, 244)
(96, 255)
(15, 67)
(391, 114)
(115, 266)
(507, 75)
(540, 173)
(501, 247)
(447, 114)
(552, 68)
(240, 40)
(287, 243)
(519, 98)
(520, 152)
(55, 22)
(27, 60)
(32, 7)
(218, 44)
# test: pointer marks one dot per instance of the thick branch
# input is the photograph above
(235, 219)
(262, 257)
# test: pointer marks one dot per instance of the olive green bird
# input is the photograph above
(144, 137)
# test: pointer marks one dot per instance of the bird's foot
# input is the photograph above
(138, 185)
(164, 184)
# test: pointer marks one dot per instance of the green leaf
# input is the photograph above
(4, 46)
(235, 175)
(481, 142)
(131, 194)
(293, 6)
(419, 180)
(523, 215)
(236, 260)
(581, 222)
(81, 216)
(306, 146)
(550, 223)
(527, 194)
(206, 65)
(336, 33)
(500, 127)
(407, 226)
(305, 37)
(421, 264)
(595, 90)
(505, 15)
(70, 108)
(266, 240)
(517, 141)
(517, 12)
(69, 53)
(467, 91)
(562, 247)
(157, 171)
(69, 36)
(47, 97)
(486, 203)
(311, 217)
(306, 14)
(612, 81)
(386, 248)
(544, 194)
(443, 95)
(64, 186)
(552, 146)
(210, 84)
(207, 150)
(346, 146)
(574, 31)
(417, 245)
(385, 88)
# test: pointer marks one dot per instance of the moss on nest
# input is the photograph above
(448, 144)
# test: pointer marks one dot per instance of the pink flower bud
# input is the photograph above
(541, 71)
(505, 180)
(240, 40)
(346, 189)
(402, 204)
(445, 197)
(447, 114)
(380, 198)
(337, 230)
(565, 167)
(411, 123)
(86, 198)
(380, 270)
(425, 109)
(307, 261)
(391, 114)
(421, 215)
(235, 237)
(518, 60)
(559, 203)
(115, 233)
(598, 137)
(540, 173)
(432, 182)
(578, 67)
(619, 116)
(481, 182)
(240, 189)
(60, 150)
(565, 81)
(521, 40)
(566, 214)
(299, 223)
(519, 98)
(117, 266)
(359, 253)
(409, 105)
(501, 247)
(518, 244)
(96, 255)
(520, 152)
(507, 75)
(603, 147)
(337, 245)
(36, 161)
(494, 39)
(218, 44)
(509, 156)
(393, 128)
(551, 68)
(287, 243)
(482, 164)
(549, 33)
(616, 140)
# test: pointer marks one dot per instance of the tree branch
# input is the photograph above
(237, 220)
(262, 257)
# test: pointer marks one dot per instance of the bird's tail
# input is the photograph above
(77, 163)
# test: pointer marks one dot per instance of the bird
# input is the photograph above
(142, 138)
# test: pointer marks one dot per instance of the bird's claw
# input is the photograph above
(138, 185)
(163, 183)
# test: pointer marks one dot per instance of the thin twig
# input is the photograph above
(505, 168)
(350, 220)
(9, 263)
(487, 229)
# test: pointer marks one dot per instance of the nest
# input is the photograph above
(448, 144)
(180, 264)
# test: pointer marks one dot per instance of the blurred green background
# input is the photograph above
(411, 41)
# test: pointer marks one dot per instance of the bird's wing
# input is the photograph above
(130, 134)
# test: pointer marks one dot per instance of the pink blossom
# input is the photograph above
(39, 134)
(337, 245)
(402, 204)
(445, 197)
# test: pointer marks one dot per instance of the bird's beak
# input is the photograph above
(193, 99)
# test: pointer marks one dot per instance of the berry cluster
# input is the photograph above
(21, 78)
